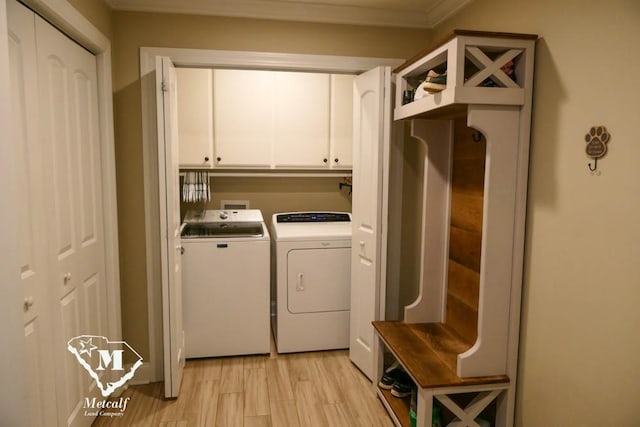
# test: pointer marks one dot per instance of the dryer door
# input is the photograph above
(318, 280)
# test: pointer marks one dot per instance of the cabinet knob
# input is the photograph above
(28, 303)
(206, 159)
(218, 158)
(67, 278)
(325, 160)
(336, 160)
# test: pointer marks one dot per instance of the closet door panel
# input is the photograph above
(30, 186)
(69, 112)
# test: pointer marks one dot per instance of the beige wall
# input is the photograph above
(134, 30)
(272, 195)
(579, 363)
(98, 13)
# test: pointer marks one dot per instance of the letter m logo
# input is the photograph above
(107, 358)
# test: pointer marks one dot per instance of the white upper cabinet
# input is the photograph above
(260, 119)
(341, 138)
(301, 120)
(243, 118)
(195, 117)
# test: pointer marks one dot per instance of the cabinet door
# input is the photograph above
(341, 121)
(243, 117)
(301, 122)
(195, 117)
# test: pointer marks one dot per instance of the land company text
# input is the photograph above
(94, 407)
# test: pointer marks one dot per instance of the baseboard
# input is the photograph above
(143, 375)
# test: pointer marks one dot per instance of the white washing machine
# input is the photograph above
(311, 284)
(225, 282)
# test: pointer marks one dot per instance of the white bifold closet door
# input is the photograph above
(56, 130)
(371, 141)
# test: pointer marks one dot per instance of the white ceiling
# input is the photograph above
(398, 13)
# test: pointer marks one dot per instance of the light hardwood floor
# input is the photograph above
(288, 390)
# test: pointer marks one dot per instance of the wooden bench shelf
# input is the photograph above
(428, 352)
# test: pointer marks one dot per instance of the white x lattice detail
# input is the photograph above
(490, 68)
(467, 416)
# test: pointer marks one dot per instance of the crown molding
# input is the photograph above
(302, 11)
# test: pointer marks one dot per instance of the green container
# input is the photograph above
(412, 417)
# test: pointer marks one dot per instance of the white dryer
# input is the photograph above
(311, 287)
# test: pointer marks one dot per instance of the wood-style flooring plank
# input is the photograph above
(284, 413)
(257, 421)
(230, 410)
(278, 379)
(309, 405)
(232, 375)
(256, 392)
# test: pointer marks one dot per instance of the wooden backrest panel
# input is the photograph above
(465, 231)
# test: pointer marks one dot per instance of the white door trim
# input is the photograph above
(64, 16)
(206, 58)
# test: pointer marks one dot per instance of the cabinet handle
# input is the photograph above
(66, 278)
(206, 159)
(325, 160)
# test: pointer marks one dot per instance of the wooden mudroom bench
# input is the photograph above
(459, 338)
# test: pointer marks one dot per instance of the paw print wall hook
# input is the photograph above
(596, 139)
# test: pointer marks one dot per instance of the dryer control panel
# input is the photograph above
(313, 217)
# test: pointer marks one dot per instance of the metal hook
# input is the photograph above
(476, 136)
(595, 165)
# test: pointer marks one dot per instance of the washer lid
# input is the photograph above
(222, 229)
(224, 215)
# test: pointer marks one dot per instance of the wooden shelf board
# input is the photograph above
(429, 351)
(399, 406)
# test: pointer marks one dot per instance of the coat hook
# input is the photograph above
(476, 136)
(597, 140)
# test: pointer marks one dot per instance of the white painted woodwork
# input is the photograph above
(265, 119)
(30, 188)
(502, 115)
(341, 137)
(68, 90)
(195, 117)
(27, 164)
(395, 13)
(168, 175)
(243, 118)
(371, 141)
(430, 304)
(301, 120)
(468, 90)
(211, 59)
(500, 125)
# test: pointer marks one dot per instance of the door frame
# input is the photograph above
(206, 58)
(65, 17)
